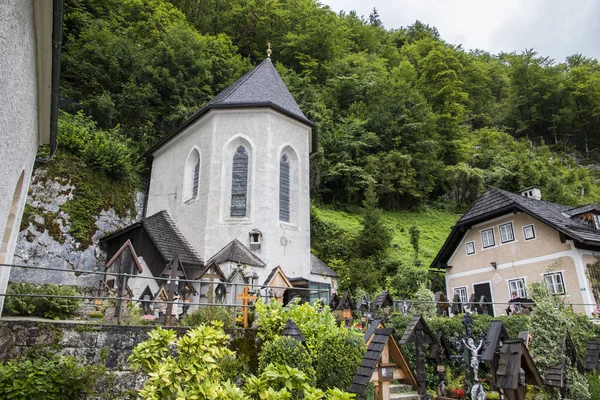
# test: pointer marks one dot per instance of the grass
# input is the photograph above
(434, 225)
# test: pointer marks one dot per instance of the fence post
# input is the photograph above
(120, 301)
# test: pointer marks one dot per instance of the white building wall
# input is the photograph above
(18, 119)
(206, 222)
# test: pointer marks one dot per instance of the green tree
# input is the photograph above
(374, 237)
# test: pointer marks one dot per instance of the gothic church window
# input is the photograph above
(191, 178)
(239, 183)
(284, 189)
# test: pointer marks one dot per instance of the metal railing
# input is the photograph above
(201, 295)
(205, 297)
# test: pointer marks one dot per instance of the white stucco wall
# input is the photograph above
(18, 117)
(206, 222)
(525, 259)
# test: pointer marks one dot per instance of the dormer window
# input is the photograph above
(255, 238)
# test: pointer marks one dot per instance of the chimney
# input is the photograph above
(533, 192)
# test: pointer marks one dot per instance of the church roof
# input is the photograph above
(166, 237)
(318, 267)
(235, 251)
(261, 87)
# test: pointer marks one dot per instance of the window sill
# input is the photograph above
(237, 221)
(288, 226)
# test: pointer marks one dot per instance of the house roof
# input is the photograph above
(592, 354)
(514, 356)
(417, 323)
(346, 302)
(383, 300)
(376, 324)
(496, 202)
(369, 363)
(235, 251)
(214, 266)
(583, 209)
(126, 249)
(555, 375)
(291, 329)
(275, 271)
(261, 87)
(167, 238)
(318, 267)
(496, 334)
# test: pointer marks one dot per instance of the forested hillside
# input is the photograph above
(401, 114)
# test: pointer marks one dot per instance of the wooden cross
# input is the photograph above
(211, 275)
(245, 297)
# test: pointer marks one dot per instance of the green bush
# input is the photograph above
(206, 315)
(594, 384)
(285, 350)
(338, 358)
(105, 150)
(47, 378)
(49, 307)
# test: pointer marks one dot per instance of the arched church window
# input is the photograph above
(239, 183)
(284, 189)
(191, 176)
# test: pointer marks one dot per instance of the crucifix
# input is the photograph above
(245, 297)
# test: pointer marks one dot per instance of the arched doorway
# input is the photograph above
(11, 219)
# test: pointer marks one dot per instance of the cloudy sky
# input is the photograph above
(555, 28)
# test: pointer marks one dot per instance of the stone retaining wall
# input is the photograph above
(109, 345)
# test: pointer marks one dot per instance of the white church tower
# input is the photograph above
(235, 179)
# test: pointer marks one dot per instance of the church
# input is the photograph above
(229, 195)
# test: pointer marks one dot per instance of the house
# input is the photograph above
(30, 44)
(233, 181)
(507, 241)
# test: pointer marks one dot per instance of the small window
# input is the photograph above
(517, 288)
(462, 294)
(487, 238)
(528, 232)
(555, 283)
(506, 233)
(254, 238)
(596, 221)
(470, 247)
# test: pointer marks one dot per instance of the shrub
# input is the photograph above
(49, 307)
(338, 358)
(47, 378)
(105, 150)
(285, 350)
(427, 309)
(206, 315)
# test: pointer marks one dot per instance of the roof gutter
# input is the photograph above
(57, 34)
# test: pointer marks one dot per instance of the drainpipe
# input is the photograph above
(57, 33)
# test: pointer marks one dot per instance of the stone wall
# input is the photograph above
(108, 345)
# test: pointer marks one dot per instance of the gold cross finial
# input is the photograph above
(269, 49)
